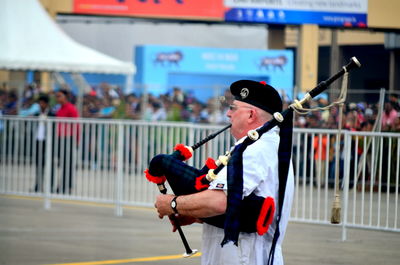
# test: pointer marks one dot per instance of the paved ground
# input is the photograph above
(83, 233)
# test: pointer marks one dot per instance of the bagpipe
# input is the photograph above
(255, 213)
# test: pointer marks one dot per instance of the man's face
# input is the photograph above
(43, 104)
(239, 113)
(61, 98)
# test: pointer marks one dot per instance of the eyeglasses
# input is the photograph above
(234, 107)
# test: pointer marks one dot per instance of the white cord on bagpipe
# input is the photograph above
(297, 105)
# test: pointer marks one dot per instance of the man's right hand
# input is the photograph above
(183, 220)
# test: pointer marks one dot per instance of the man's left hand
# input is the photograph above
(163, 205)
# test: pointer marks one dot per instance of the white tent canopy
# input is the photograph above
(31, 40)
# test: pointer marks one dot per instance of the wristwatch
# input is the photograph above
(174, 204)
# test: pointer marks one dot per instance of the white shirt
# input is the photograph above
(41, 131)
(260, 174)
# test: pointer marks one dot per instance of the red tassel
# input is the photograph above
(185, 152)
(266, 216)
(199, 185)
(154, 179)
(210, 163)
(263, 83)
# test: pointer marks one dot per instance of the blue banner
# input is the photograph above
(160, 67)
(279, 16)
(336, 13)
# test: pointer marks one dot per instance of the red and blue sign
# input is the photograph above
(184, 9)
(335, 13)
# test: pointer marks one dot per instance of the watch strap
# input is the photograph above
(174, 204)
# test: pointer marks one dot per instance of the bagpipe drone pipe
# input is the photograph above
(256, 213)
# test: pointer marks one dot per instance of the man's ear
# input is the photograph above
(252, 116)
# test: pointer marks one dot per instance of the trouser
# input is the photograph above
(40, 162)
(66, 155)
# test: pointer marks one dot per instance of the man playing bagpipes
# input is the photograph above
(239, 208)
(245, 198)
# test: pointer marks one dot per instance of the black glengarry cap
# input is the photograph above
(258, 94)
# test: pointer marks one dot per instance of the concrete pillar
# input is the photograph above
(16, 78)
(307, 58)
(335, 63)
(17, 83)
(394, 71)
(45, 82)
(4, 77)
(276, 37)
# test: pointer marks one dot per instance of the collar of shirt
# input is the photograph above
(273, 130)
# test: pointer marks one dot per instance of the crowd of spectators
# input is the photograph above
(107, 101)
(174, 106)
(360, 116)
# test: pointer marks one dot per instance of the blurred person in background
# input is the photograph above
(148, 111)
(174, 111)
(324, 113)
(388, 116)
(195, 112)
(2, 105)
(369, 113)
(132, 107)
(32, 91)
(350, 117)
(300, 121)
(360, 110)
(41, 138)
(396, 124)
(321, 143)
(90, 108)
(313, 121)
(67, 139)
(159, 113)
(30, 107)
(394, 100)
(10, 106)
(213, 112)
(106, 108)
(331, 123)
(105, 90)
(178, 95)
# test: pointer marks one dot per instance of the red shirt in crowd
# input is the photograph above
(67, 110)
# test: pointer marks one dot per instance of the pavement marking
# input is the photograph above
(121, 261)
(76, 202)
(10, 196)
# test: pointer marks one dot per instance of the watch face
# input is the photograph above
(173, 204)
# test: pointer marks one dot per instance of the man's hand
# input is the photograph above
(163, 205)
(182, 220)
(202, 204)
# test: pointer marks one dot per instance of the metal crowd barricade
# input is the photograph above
(371, 188)
(369, 169)
(314, 175)
(104, 160)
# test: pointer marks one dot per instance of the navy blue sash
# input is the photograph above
(235, 179)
